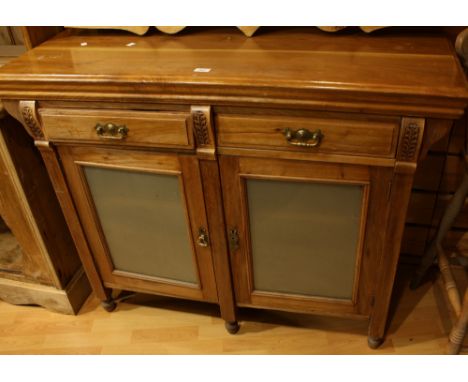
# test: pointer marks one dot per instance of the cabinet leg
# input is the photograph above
(390, 251)
(374, 342)
(232, 327)
(109, 304)
(212, 190)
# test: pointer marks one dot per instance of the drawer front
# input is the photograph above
(136, 128)
(334, 133)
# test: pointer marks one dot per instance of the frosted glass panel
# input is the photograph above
(143, 220)
(304, 236)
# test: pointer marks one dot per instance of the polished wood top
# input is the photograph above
(289, 63)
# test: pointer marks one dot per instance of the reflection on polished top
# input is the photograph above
(220, 62)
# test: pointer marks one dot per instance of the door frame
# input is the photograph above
(186, 168)
(234, 173)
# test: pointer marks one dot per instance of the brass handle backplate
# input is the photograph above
(111, 131)
(203, 240)
(303, 137)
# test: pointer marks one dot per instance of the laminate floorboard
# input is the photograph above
(144, 324)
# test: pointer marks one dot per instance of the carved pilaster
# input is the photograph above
(409, 147)
(203, 131)
(28, 113)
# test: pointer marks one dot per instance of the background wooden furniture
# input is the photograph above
(352, 112)
(38, 260)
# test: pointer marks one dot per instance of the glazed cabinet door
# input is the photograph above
(297, 233)
(144, 216)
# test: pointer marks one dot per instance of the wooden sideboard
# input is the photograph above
(272, 172)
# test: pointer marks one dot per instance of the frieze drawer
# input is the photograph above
(335, 133)
(140, 128)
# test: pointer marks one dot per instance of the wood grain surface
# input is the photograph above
(394, 71)
(342, 133)
(144, 128)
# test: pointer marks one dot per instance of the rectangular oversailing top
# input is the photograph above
(220, 62)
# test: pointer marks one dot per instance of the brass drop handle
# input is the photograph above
(303, 137)
(203, 240)
(111, 131)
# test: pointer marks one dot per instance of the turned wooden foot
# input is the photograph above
(232, 327)
(374, 342)
(109, 305)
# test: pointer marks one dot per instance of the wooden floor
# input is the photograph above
(154, 325)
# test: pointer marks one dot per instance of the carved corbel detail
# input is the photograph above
(203, 131)
(200, 128)
(409, 145)
(411, 134)
(30, 119)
